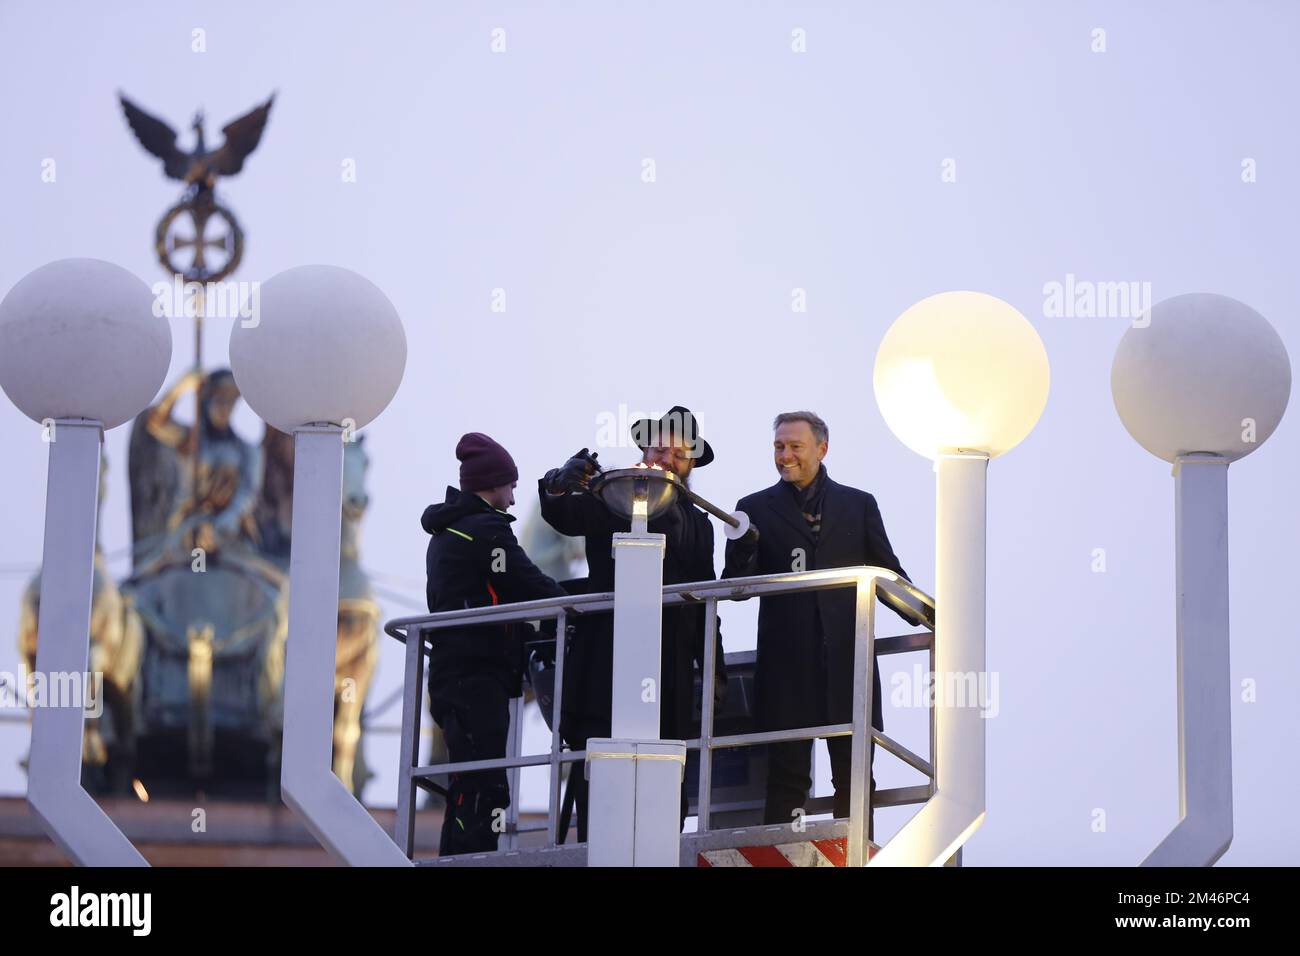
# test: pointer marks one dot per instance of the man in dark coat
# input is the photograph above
(474, 561)
(804, 674)
(673, 443)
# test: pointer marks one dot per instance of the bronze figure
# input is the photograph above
(212, 255)
(200, 166)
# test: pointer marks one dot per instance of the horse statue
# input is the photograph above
(357, 651)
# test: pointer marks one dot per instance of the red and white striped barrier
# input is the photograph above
(804, 853)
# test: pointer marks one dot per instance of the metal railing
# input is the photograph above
(869, 584)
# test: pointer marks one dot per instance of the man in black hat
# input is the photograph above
(674, 443)
(474, 561)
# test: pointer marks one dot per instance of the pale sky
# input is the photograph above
(913, 148)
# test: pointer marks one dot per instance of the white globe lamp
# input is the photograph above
(81, 350)
(1201, 380)
(327, 347)
(961, 371)
(1201, 373)
(79, 339)
(322, 357)
(960, 377)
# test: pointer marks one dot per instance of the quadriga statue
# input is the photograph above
(214, 610)
(192, 644)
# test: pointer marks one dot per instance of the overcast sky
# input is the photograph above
(912, 148)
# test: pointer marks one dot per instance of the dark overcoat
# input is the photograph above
(804, 673)
(589, 658)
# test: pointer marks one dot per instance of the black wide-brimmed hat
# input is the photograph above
(676, 421)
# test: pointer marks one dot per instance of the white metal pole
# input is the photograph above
(957, 807)
(308, 783)
(635, 778)
(1204, 830)
(638, 635)
(69, 815)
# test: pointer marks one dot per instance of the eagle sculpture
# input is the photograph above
(201, 166)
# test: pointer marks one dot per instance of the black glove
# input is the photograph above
(747, 544)
(573, 475)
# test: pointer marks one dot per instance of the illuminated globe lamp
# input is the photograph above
(1200, 381)
(960, 377)
(81, 351)
(323, 358)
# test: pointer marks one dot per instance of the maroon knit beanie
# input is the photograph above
(483, 463)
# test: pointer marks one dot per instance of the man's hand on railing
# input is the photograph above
(916, 618)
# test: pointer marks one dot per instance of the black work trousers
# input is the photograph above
(789, 778)
(472, 706)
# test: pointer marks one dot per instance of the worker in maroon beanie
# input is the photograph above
(474, 561)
